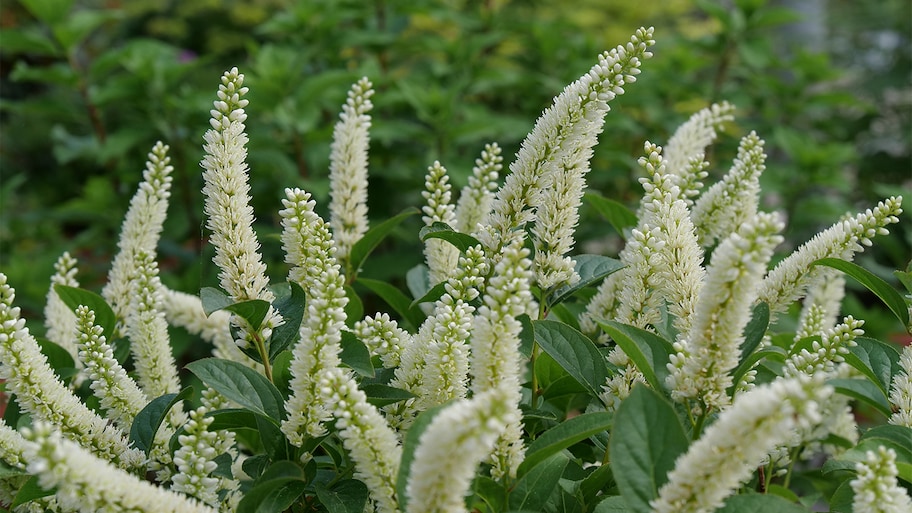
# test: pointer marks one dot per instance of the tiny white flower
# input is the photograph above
(876, 488)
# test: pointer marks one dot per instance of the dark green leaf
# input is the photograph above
(394, 297)
(104, 316)
(591, 269)
(356, 355)
(438, 230)
(616, 213)
(374, 236)
(290, 304)
(595, 483)
(7, 470)
(49, 11)
(647, 350)
(574, 352)
(252, 311)
(757, 503)
(747, 364)
(382, 395)
(613, 504)
(240, 384)
(277, 489)
(646, 440)
(562, 436)
(491, 492)
(432, 295)
(281, 372)
(409, 445)
(526, 336)
(57, 357)
(30, 491)
(872, 282)
(354, 310)
(150, 418)
(533, 490)
(863, 390)
(232, 419)
(213, 300)
(876, 360)
(347, 496)
(755, 330)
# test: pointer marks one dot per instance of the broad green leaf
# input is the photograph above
(613, 504)
(526, 336)
(213, 300)
(863, 390)
(290, 303)
(875, 284)
(104, 316)
(574, 352)
(150, 418)
(747, 364)
(373, 237)
(28, 40)
(49, 11)
(409, 445)
(616, 213)
(240, 384)
(595, 483)
(432, 295)
(382, 395)
(876, 360)
(57, 357)
(79, 25)
(394, 297)
(30, 491)
(491, 492)
(897, 438)
(645, 442)
(647, 350)
(755, 330)
(354, 310)
(7, 470)
(281, 372)
(562, 436)
(276, 490)
(232, 419)
(347, 496)
(253, 311)
(760, 503)
(443, 231)
(356, 355)
(273, 439)
(533, 490)
(591, 269)
(418, 281)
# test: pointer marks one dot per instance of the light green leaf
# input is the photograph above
(418, 281)
(49, 11)
(533, 490)
(356, 355)
(562, 436)
(213, 300)
(591, 269)
(443, 231)
(30, 491)
(616, 213)
(574, 352)
(645, 442)
(648, 351)
(374, 236)
(104, 316)
(150, 418)
(875, 284)
(394, 297)
(240, 384)
(877, 360)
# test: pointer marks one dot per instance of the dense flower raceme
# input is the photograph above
(459, 404)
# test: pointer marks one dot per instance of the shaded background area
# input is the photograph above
(87, 87)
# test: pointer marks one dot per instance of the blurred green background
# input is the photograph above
(87, 87)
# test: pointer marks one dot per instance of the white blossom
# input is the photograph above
(901, 391)
(876, 488)
(348, 169)
(733, 446)
(475, 198)
(823, 356)
(59, 319)
(822, 304)
(688, 144)
(383, 337)
(441, 256)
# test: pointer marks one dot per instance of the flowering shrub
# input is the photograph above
(518, 377)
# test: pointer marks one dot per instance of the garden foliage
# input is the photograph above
(517, 373)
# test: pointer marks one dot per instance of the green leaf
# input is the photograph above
(104, 316)
(491, 492)
(382, 395)
(613, 504)
(374, 236)
(863, 390)
(213, 300)
(281, 372)
(276, 490)
(232, 419)
(757, 503)
(241, 384)
(354, 310)
(409, 445)
(877, 360)
(562, 436)
(645, 442)
(253, 311)
(30, 491)
(647, 350)
(526, 336)
(7, 470)
(290, 303)
(356, 355)
(150, 418)
(574, 352)
(533, 490)
(347, 496)
(57, 357)
(755, 330)
(49, 11)
(418, 281)
(432, 295)
(443, 231)
(616, 213)
(591, 269)
(890, 436)
(875, 284)
(772, 352)
(397, 300)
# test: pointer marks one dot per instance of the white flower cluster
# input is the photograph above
(823, 356)
(876, 487)
(686, 148)
(383, 336)
(58, 317)
(901, 391)
(441, 256)
(476, 197)
(348, 169)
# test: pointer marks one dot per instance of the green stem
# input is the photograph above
(264, 355)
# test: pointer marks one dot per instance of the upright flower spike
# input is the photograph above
(496, 360)
(309, 249)
(141, 230)
(733, 201)
(566, 131)
(475, 198)
(901, 391)
(373, 445)
(707, 354)
(85, 482)
(348, 169)
(876, 488)
(58, 317)
(45, 398)
(441, 255)
(117, 393)
(688, 145)
(732, 447)
(456, 441)
(186, 311)
(823, 356)
(822, 304)
(792, 277)
(383, 337)
(12, 446)
(148, 330)
(242, 273)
